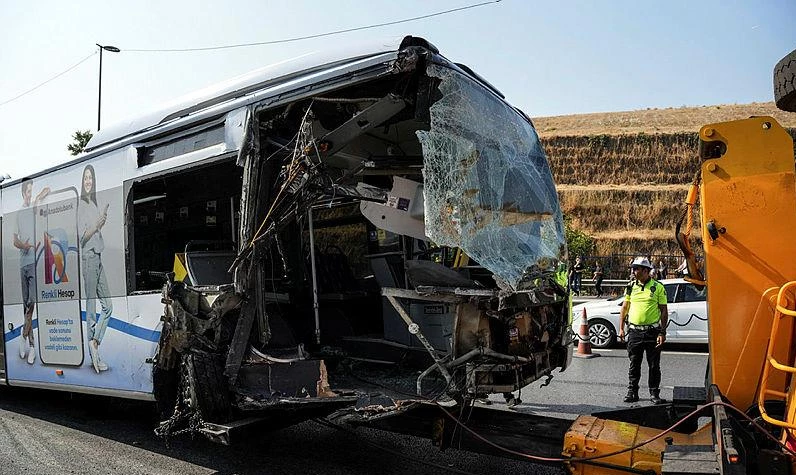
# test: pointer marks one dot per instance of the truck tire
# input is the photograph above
(785, 83)
(208, 388)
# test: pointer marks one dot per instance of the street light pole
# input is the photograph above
(112, 49)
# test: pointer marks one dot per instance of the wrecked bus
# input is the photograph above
(345, 234)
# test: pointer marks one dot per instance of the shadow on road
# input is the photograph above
(305, 448)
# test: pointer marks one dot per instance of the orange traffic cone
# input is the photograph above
(584, 343)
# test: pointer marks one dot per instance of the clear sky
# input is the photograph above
(549, 57)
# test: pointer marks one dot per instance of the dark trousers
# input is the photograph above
(576, 280)
(598, 287)
(638, 343)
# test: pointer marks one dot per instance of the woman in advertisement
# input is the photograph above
(95, 284)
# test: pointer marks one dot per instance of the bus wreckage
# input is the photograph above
(374, 238)
(399, 241)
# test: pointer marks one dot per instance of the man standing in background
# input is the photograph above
(663, 271)
(598, 279)
(576, 275)
(646, 314)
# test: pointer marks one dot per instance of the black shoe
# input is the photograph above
(655, 396)
(632, 396)
(513, 401)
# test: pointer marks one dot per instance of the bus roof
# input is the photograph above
(241, 86)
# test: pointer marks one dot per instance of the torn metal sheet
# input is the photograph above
(487, 186)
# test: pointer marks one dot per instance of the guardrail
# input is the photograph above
(606, 283)
(610, 286)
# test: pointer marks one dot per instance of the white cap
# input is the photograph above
(641, 262)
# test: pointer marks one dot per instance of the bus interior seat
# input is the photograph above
(207, 262)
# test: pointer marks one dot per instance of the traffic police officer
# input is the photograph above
(646, 315)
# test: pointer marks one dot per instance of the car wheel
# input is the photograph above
(601, 333)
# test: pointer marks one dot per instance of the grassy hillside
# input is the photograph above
(623, 176)
(656, 121)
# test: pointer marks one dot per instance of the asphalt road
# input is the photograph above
(600, 384)
(45, 432)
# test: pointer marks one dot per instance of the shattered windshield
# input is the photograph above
(488, 187)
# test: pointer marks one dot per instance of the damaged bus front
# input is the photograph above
(400, 240)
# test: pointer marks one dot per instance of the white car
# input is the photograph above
(688, 315)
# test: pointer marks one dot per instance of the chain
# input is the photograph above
(185, 415)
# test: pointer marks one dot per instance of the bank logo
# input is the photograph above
(56, 246)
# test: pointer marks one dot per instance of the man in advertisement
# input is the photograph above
(25, 241)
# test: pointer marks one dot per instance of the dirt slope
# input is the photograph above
(654, 121)
(622, 176)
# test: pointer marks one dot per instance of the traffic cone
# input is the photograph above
(584, 343)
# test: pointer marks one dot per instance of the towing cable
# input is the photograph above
(592, 459)
(696, 411)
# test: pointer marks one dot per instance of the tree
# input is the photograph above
(578, 242)
(80, 139)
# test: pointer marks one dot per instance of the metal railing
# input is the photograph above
(617, 266)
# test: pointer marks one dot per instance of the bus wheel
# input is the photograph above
(164, 385)
(207, 388)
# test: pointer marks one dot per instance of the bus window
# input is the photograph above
(168, 212)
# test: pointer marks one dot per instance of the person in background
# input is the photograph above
(663, 271)
(682, 269)
(576, 275)
(597, 277)
(646, 315)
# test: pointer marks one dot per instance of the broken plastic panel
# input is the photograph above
(488, 186)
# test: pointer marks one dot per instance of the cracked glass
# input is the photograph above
(488, 188)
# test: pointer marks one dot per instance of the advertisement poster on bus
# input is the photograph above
(65, 302)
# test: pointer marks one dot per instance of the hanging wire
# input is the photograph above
(259, 43)
(308, 37)
(49, 80)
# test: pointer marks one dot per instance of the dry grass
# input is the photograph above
(622, 177)
(613, 187)
(628, 209)
(623, 159)
(652, 121)
(639, 246)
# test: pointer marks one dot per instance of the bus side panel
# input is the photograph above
(144, 312)
(64, 282)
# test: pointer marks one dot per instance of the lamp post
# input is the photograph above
(112, 49)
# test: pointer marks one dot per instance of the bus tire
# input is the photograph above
(165, 384)
(207, 386)
(785, 83)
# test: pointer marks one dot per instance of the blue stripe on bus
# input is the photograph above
(116, 324)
